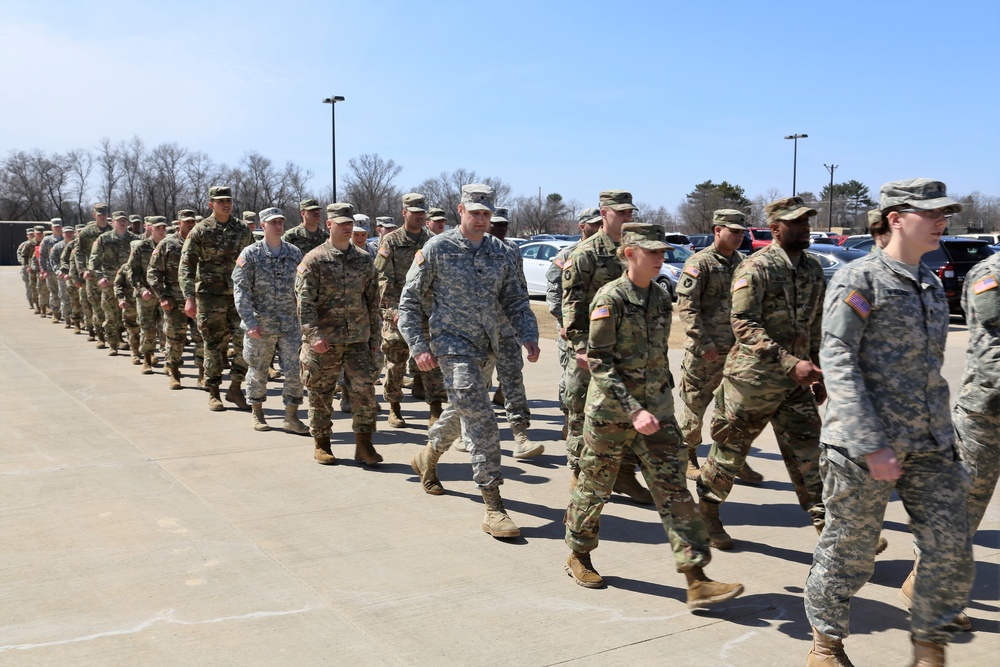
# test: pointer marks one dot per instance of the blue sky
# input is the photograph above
(572, 97)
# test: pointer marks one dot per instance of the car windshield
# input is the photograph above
(675, 255)
(966, 253)
(762, 234)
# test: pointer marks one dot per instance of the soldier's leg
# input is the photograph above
(55, 304)
(112, 317)
(510, 377)
(258, 352)
(33, 287)
(600, 457)
(65, 310)
(434, 386)
(359, 371)
(27, 286)
(237, 366)
(96, 309)
(214, 327)
(147, 324)
(699, 380)
(468, 397)
(176, 331)
(396, 355)
(796, 425)
(130, 322)
(43, 291)
(291, 370)
(562, 350)
(319, 374)
(577, 380)
(979, 447)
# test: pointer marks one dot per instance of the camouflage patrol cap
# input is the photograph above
(874, 216)
(119, 215)
(385, 222)
(39, 228)
(269, 214)
(158, 221)
(478, 197)
(69, 229)
(101, 207)
(414, 202)
(787, 209)
(437, 214)
(361, 220)
(220, 192)
(358, 229)
(340, 209)
(47, 232)
(185, 214)
(643, 235)
(501, 214)
(617, 200)
(199, 218)
(730, 218)
(56, 222)
(134, 218)
(29, 231)
(309, 205)
(922, 193)
(342, 220)
(250, 216)
(589, 216)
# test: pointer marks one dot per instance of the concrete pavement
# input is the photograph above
(138, 527)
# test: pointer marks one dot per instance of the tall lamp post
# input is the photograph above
(332, 101)
(830, 168)
(795, 156)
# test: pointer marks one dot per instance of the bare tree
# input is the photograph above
(528, 216)
(165, 178)
(80, 164)
(200, 173)
(370, 185)
(110, 166)
(445, 191)
(131, 153)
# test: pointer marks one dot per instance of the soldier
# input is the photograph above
(437, 220)
(629, 394)
(392, 262)
(85, 245)
(164, 281)
(772, 375)
(461, 281)
(878, 228)
(591, 266)
(55, 266)
(35, 272)
(137, 225)
(385, 225)
(308, 234)
(78, 286)
(145, 299)
(110, 251)
(23, 261)
(704, 303)
(72, 280)
(359, 235)
(888, 432)
(250, 219)
(50, 267)
(337, 290)
(206, 276)
(124, 292)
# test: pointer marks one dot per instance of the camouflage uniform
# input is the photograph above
(553, 298)
(109, 253)
(164, 280)
(124, 290)
(55, 267)
(26, 255)
(50, 268)
(776, 317)
(23, 262)
(146, 309)
(86, 238)
(77, 286)
(338, 301)
(206, 275)
(464, 293)
(884, 333)
(304, 240)
(264, 292)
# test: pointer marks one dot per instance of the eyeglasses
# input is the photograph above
(936, 214)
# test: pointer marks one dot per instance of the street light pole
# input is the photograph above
(795, 156)
(332, 101)
(830, 168)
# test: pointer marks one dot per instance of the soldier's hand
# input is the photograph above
(122, 304)
(562, 333)
(805, 373)
(255, 332)
(645, 422)
(165, 304)
(883, 465)
(819, 392)
(146, 295)
(190, 307)
(103, 282)
(78, 284)
(581, 359)
(320, 346)
(425, 361)
(86, 275)
(711, 355)
(533, 351)
(44, 274)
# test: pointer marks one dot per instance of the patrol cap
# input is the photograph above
(269, 214)
(69, 228)
(437, 214)
(385, 221)
(644, 235)
(340, 209)
(101, 207)
(56, 222)
(47, 232)
(874, 216)
(361, 220)
(158, 221)
(220, 192)
(617, 200)
(199, 218)
(29, 231)
(478, 197)
(922, 193)
(786, 209)
(309, 204)
(342, 220)
(730, 218)
(39, 228)
(589, 216)
(359, 228)
(415, 202)
(185, 214)
(134, 218)
(119, 215)
(250, 216)
(148, 219)
(501, 214)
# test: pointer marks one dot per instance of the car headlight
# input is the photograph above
(670, 270)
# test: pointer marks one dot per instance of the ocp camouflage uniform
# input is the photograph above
(109, 253)
(884, 334)
(164, 280)
(627, 352)
(128, 316)
(77, 286)
(776, 318)
(51, 280)
(26, 253)
(86, 239)
(55, 264)
(338, 301)
(146, 309)
(23, 262)
(206, 275)
(304, 240)
(264, 292)
(34, 271)
(553, 299)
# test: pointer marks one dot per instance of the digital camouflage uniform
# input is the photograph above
(464, 293)
(51, 281)
(206, 274)
(146, 309)
(163, 276)
(264, 292)
(86, 238)
(338, 301)
(776, 318)
(55, 267)
(884, 334)
(108, 254)
(31, 262)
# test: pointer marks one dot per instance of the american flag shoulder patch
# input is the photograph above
(558, 262)
(301, 268)
(600, 313)
(241, 261)
(985, 284)
(568, 263)
(740, 284)
(859, 304)
(383, 251)
(419, 258)
(692, 271)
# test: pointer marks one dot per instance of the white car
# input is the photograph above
(537, 257)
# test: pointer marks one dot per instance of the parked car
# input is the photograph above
(673, 263)
(518, 241)
(537, 256)
(677, 239)
(952, 261)
(992, 238)
(832, 257)
(824, 240)
(760, 237)
(701, 241)
(852, 241)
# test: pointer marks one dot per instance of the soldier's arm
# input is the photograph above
(134, 267)
(982, 311)
(515, 303)
(81, 257)
(749, 287)
(577, 276)
(154, 273)
(416, 292)
(690, 290)
(553, 288)
(93, 263)
(386, 268)
(602, 349)
(244, 274)
(121, 284)
(64, 258)
(43, 257)
(307, 292)
(188, 268)
(372, 305)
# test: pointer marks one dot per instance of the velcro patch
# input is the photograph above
(301, 268)
(859, 304)
(240, 261)
(419, 258)
(600, 313)
(740, 284)
(692, 271)
(984, 285)
(383, 251)
(568, 263)
(558, 262)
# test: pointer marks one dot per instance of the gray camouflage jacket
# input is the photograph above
(264, 287)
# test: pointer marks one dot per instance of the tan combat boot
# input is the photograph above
(257, 418)
(395, 416)
(961, 623)
(523, 447)
(235, 395)
(693, 470)
(749, 475)
(136, 356)
(496, 522)
(322, 453)
(827, 652)
(703, 592)
(927, 654)
(292, 422)
(101, 343)
(364, 452)
(580, 568)
(214, 401)
(628, 484)
(91, 336)
(175, 378)
(114, 348)
(418, 392)
(717, 535)
(147, 363)
(425, 465)
(436, 410)
(76, 328)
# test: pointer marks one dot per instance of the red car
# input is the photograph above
(760, 237)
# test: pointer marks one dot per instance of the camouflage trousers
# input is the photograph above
(218, 323)
(663, 459)
(320, 373)
(565, 358)
(87, 315)
(979, 448)
(576, 381)
(93, 292)
(469, 411)
(42, 289)
(52, 287)
(742, 410)
(509, 366)
(112, 319)
(259, 352)
(65, 307)
(699, 380)
(397, 355)
(130, 322)
(33, 287)
(27, 285)
(177, 324)
(75, 303)
(933, 489)
(146, 316)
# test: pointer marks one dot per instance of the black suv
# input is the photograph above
(952, 261)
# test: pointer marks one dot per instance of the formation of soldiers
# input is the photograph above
(766, 341)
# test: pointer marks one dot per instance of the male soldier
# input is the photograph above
(394, 258)
(773, 373)
(23, 261)
(136, 225)
(27, 256)
(437, 220)
(85, 245)
(461, 281)
(125, 298)
(337, 290)
(56, 267)
(704, 303)
(77, 285)
(888, 428)
(110, 251)
(49, 268)
(206, 275)
(35, 266)
(385, 225)
(145, 299)
(164, 281)
(308, 234)
(264, 291)
(250, 219)
(591, 266)
(359, 236)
